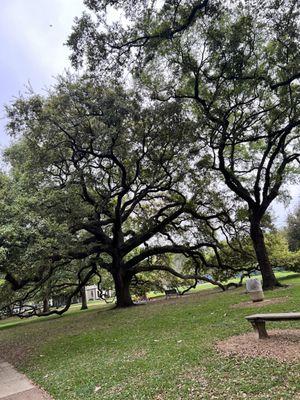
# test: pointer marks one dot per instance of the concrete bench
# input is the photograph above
(258, 321)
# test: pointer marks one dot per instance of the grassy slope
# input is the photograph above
(74, 309)
(158, 351)
(10, 322)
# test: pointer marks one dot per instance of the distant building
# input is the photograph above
(92, 293)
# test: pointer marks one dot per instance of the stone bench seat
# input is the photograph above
(258, 321)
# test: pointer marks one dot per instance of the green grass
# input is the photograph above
(13, 321)
(159, 351)
(205, 286)
(75, 308)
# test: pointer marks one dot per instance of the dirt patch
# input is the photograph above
(258, 304)
(15, 353)
(283, 345)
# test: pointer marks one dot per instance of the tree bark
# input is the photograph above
(84, 305)
(122, 287)
(269, 279)
(46, 307)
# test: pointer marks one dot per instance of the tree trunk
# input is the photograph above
(84, 305)
(122, 284)
(269, 279)
(46, 307)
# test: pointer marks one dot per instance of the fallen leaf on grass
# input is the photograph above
(97, 388)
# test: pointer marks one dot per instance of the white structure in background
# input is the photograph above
(92, 293)
(254, 288)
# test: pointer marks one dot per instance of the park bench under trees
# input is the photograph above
(171, 292)
(258, 321)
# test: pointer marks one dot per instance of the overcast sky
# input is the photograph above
(32, 36)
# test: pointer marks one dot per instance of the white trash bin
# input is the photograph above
(254, 288)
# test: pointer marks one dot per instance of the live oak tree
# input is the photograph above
(30, 239)
(237, 69)
(114, 174)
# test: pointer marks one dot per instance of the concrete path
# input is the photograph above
(15, 386)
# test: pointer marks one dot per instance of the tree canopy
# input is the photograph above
(236, 67)
(114, 181)
(174, 140)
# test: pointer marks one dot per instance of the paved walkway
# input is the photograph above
(15, 386)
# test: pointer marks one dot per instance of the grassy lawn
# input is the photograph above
(75, 308)
(160, 351)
